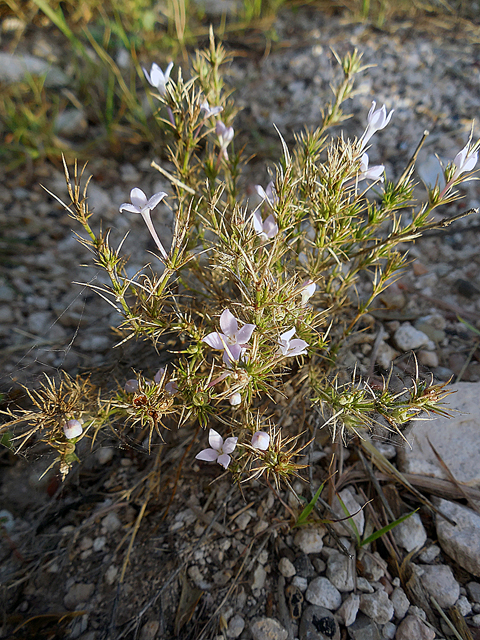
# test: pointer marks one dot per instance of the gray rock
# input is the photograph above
(305, 568)
(473, 590)
(385, 355)
(410, 534)
(310, 540)
(412, 627)
(39, 322)
(300, 583)
(322, 593)
(6, 314)
(373, 566)
(78, 592)
(439, 582)
(429, 555)
(400, 603)
(354, 508)
(457, 439)
(111, 522)
(389, 630)
(364, 629)
(7, 294)
(71, 123)
(364, 586)
(149, 630)
(286, 568)
(13, 68)
(407, 338)
(268, 629)
(340, 571)
(349, 609)
(462, 543)
(377, 606)
(463, 606)
(235, 626)
(475, 620)
(104, 455)
(318, 623)
(259, 577)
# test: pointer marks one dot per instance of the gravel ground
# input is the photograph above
(256, 576)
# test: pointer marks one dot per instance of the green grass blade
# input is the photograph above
(377, 534)
(350, 520)
(307, 510)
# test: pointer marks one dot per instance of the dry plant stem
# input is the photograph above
(375, 483)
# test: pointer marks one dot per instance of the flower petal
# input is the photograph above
(233, 352)
(216, 340)
(270, 227)
(229, 445)
(166, 75)
(126, 206)
(155, 199)
(207, 455)
(297, 347)
(215, 440)
(288, 335)
(138, 198)
(224, 460)
(245, 333)
(257, 222)
(261, 440)
(228, 323)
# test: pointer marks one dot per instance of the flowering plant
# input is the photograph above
(250, 306)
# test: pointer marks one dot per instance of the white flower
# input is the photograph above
(376, 120)
(219, 449)
(266, 230)
(307, 289)
(225, 136)
(374, 173)
(157, 78)
(267, 194)
(233, 340)
(235, 399)
(261, 440)
(464, 161)
(141, 205)
(73, 429)
(210, 111)
(289, 347)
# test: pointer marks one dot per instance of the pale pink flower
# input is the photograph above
(288, 347)
(210, 111)
(141, 205)
(73, 429)
(233, 341)
(376, 120)
(267, 194)
(372, 173)
(219, 451)
(225, 136)
(266, 230)
(131, 386)
(464, 161)
(157, 78)
(306, 290)
(261, 440)
(235, 399)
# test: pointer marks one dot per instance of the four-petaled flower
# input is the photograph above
(376, 120)
(260, 440)
(374, 173)
(141, 205)
(225, 136)
(233, 340)
(157, 78)
(210, 111)
(73, 429)
(267, 194)
(266, 230)
(288, 347)
(464, 161)
(219, 451)
(306, 290)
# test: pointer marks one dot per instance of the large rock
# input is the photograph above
(456, 439)
(14, 68)
(440, 583)
(462, 543)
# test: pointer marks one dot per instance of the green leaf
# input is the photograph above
(307, 510)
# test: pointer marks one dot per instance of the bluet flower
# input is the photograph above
(210, 111)
(288, 347)
(141, 205)
(225, 136)
(464, 161)
(157, 78)
(73, 429)
(233, 340)
(377, 119)
(266, 230)
(219, 451)
(306, 290)
(372, 173)
(267, 194)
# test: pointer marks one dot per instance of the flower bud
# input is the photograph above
(131, 386)
(261, 440)
(235, 399)
(73, 429)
